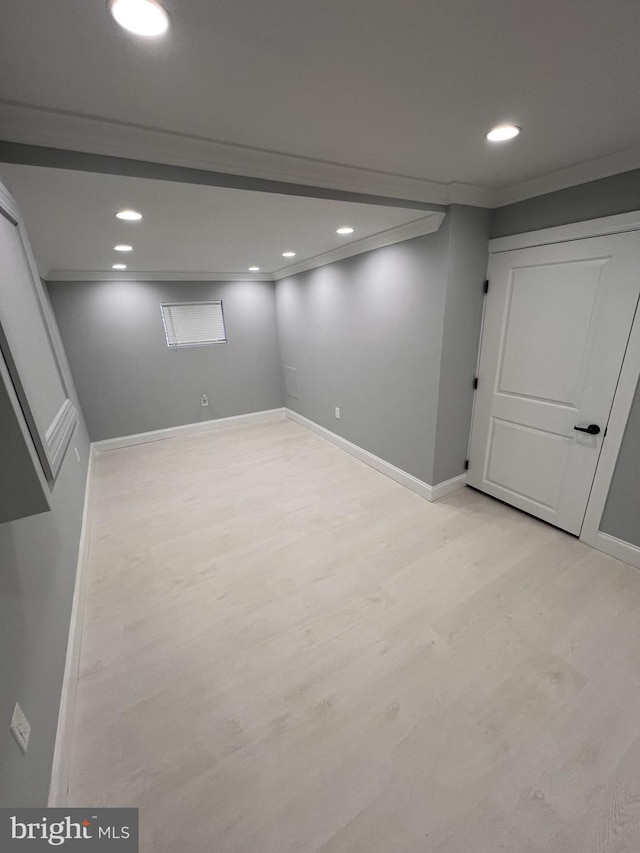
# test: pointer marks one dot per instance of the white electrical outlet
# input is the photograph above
(77, 454)
(20, 728)
(204, 400)
(338, 412)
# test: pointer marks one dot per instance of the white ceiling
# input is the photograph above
(392, 87)
(386, 97)
(189, 231)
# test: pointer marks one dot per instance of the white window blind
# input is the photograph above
(190, 324)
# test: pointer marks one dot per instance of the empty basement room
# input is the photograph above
(320, 418)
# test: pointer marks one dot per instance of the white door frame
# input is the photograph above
(629, 376)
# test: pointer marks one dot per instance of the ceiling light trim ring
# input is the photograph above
(503, 132)
(145, 18)
(129, 215)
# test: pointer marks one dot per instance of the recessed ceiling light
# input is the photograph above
(503, 132)
(129, 215)
(122, 247)
(288, 254)
(119, 267)
(142, 17)
(254, 269)
(344, 230)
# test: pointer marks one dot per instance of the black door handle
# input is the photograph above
(592, 429)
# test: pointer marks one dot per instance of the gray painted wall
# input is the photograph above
(605, 197)
(129, 381)
(38, 558)
(621, 516)
(366, 334)
(466, 273)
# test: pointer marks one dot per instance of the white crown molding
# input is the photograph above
(160, 275)
(571, 176)
(29, 125)
(68, 131)
(418, 228)
(459, 193)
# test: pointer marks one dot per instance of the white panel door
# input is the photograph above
(557, 321)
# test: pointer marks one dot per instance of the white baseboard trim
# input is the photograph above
(187, 429)
(430, 493)
(61, 768)
(440, 490)
(618, 548)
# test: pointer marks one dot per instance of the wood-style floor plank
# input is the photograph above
(286, 652)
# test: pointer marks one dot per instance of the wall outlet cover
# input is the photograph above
(204, 399)
(20, 728)
(338, 412)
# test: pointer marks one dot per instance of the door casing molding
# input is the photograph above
(618, 417)
(590, 532)
(618, 224)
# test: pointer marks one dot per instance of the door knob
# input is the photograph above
(592, 429)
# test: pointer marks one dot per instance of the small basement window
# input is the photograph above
(192, 324)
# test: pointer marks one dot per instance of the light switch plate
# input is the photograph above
(20, 728)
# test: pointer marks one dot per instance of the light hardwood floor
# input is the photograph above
(286, 652)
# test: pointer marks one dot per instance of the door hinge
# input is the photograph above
(475, 383)
(486, 286)
(466, 465)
